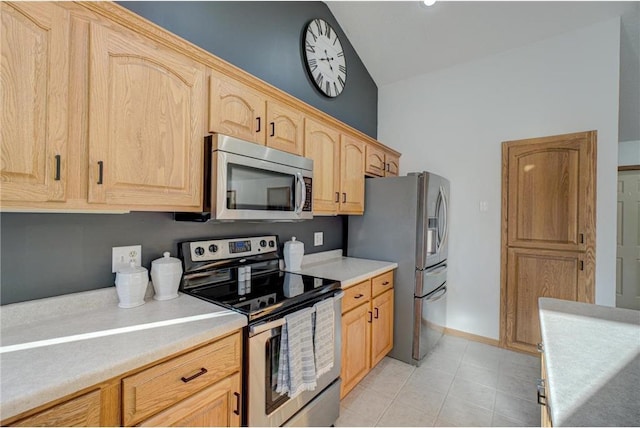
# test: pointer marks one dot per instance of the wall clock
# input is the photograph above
(325, 58)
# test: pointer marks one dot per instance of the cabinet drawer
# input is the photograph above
(356, 295)
(163, 385)
(381, 283)
(79, 411)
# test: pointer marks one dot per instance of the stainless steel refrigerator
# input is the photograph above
(405, 221)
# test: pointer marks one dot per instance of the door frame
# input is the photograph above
(504, 221)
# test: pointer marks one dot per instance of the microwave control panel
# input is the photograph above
(308, 203)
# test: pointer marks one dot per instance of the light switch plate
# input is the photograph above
(122, 256)
(318, 239)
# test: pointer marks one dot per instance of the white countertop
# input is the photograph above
(592, 358)
(348, 270)
(75, 341)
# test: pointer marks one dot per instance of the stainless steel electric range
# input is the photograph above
(244, 274)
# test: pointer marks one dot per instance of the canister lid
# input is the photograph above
(166, 259)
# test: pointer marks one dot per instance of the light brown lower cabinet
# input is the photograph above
(367, 328)
(199, 387)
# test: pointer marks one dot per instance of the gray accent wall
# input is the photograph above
(265, 39)
(46, 255)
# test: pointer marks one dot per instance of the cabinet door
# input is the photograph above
(352, 153)
(322, 144)
(531, 274)
(382, 331)
(236, 109)
(145, 122)
(551, 196)
(356, 347)
(34, 112)
(285, 128)
(375, 164)
(215, 406)
(393, 165)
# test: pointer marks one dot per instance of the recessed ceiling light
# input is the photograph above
(429, 2)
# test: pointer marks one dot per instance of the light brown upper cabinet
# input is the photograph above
(380, 163)
(238, 110)
(352, 153)
(146, 126)
(285, 128)
(322, 144)
(548, 229)
(34, 112)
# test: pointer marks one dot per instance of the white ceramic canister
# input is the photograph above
(293, 252)
(166, 273)
(131, 285)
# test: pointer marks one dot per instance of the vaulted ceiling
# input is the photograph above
(400, 39)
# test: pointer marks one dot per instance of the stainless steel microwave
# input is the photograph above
(247, 181)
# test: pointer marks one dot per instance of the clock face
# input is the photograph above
(325, 58)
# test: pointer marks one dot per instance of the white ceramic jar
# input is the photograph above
(131, 285)
(293, 252)
(166, 273)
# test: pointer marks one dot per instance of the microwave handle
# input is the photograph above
(301, 193)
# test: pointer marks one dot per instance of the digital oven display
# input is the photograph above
(239, 246)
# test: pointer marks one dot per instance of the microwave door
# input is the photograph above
(254, 189)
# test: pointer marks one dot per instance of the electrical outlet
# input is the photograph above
(318, 238)
(122, 256)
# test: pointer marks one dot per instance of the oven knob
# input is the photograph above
(199, 251)
(262, 304)
(213, 248)
(263, 243)
(272, 300)
(272, 244)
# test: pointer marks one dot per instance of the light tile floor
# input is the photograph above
(460, 383)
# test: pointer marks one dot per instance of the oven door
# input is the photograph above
(265, 406)
(248, 188)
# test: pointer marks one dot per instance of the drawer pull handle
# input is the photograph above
(376, 315)
(358, 296)
(190, 378)
(237, 410)
(385, 283)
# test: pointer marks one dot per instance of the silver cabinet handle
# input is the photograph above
(540, 347)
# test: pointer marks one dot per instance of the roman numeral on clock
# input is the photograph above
(319, 80)
(309, 47)
(341, 81)
(342, 69)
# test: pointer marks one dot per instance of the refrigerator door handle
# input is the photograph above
(437, 271)
(438, 294)
(442, 201)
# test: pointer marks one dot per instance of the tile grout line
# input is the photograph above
(395, 396)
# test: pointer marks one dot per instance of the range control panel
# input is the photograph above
(222, 249)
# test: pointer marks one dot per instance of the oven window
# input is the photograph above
(273, 400)
(258, 189)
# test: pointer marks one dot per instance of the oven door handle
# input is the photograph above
(261, 328)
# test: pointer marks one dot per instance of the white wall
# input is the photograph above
(629, 153)
(453, 122)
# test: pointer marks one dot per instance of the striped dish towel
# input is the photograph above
(323, 340)
(296, 368)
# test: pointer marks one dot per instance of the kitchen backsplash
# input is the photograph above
(45, 255)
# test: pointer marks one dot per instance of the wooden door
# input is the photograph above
(215, 406)
(285, 128)
(628, 239)
(382, 330)
(548, 229)
(145, 123)
(356, 347)
(34, 114)
(82, 411)
(375, 164)
(236, 109)
(322, 144)
(352, 154)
